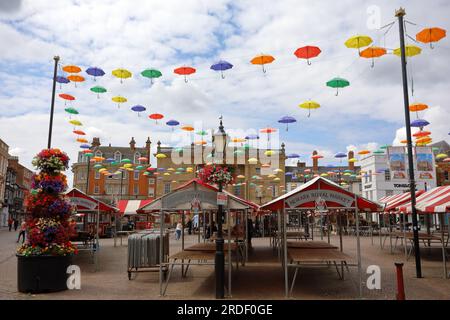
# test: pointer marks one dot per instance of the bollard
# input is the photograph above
(400, 284)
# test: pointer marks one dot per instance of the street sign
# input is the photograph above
(222, 198)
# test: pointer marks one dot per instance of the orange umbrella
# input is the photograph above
(415, 107)
(237, 140)
(71, 69)
(363, 152)
(187, 128)
(403, 141)
(268, 130)
(430, 35)
(373, 52)
(82, 140)
(262, 60)
(421, 134)
(424, 140)
(79, 132)
(201, 142)
(75, 78)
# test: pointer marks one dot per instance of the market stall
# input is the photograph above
(318, 195)
(128, 210)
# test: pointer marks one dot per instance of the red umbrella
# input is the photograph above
(184, 71)
(66, 96)
(307, 53)
(79, 132)
(268, 130)
(156, 116)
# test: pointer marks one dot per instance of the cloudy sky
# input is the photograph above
(167, 34)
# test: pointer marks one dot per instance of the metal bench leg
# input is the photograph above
(187, 267)
(337, 270)
(293, 280)
(166, 284)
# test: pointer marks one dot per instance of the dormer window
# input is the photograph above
(137, 155)
(117, 156)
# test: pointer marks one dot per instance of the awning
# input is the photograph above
(400, 199)
(129, 207)
(84, 202)
(332, 194)
(436, 200)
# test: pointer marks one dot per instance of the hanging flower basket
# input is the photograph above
(215, 174)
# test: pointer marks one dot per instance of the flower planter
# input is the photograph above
(38, 274)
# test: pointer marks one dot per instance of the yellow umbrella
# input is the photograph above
(269, 152)
(271, 176)
(127, 165)
(441, 156)
(102, 169)
(276, 179)
(357, 42)
(122, 74)
(309, 105)
(278, 170)
(252, 161)
(410, 51)
(75, 122)
(262, 60)
(240, 176)
(166, 174)
(353, 160)
(119, 100)
(171, 169)
(161, 156)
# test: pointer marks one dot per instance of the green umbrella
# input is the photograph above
(126, 160)
(98, 89)
(71, 110)
(239, 152)
(151, 74)
(246, 146)
(435, 149)
(139, 167)
(89, 154)
(378, 152)
(179, 149)
(98, 166)
(385, 146)
(180, 169)
(202, 133)
(338, 83)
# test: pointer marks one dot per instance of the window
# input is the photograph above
(258, 171)
(96, 189)
(136, 189)
(117, 156)
(136, 175)
(151, 180)
(109, 189)
(97, 174)
(98, 153)
(237, 190)
(166, 187)
(387, 175)
(137, 155)
(151, 191)
(446, 175)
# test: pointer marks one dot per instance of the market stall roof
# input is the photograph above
(399, 199)
(436, 200)
(129, 207)
(84, 202)
(335, 196)
(194, 193)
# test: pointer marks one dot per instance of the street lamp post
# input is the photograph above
(412, 185)
(52, 109)
(219, 141)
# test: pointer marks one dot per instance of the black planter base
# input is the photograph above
(39, 274)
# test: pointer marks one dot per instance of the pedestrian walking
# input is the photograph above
(10, 223)
(23, 228)
(178, 230)
(16, 224)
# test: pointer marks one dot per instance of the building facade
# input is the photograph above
(442, 166)
(3, 169)
(379, 179)
(131, 184)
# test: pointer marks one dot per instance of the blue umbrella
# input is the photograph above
(110, 160)
(85, 146)
(252, 137)
(287, 120)
(288, 174)
(172, 123)
(419, 123)
(138, 109)
(293, 155)
(221, 66)
(61, 80)
(95, 72)
(340, 155)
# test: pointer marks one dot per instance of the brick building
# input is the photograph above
(3, 168)
(442, 167)
(130, 184)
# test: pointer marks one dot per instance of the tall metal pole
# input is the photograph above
(400, 13)
(219, 258)
(50, 128)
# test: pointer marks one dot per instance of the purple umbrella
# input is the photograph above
(95, 72)
(138, 109)
(340, 155)
(252, 137)
(221, 66)
(288, 174)
(172, 123)
(293, 155)
(85, 146)
(419, 123)
(61, 80)
(287, 120)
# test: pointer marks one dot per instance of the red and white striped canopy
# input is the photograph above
(437, 200)
(129, 207)
(399, 199)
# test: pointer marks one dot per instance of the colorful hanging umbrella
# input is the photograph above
(421, 134)
(441, 156)
(79, 132)
(71, 69)
(269, 153)
(252, 137)
(82, 140)
(151, 74)
(138, 109)
(287, 120)
(95, 72)
(172, 123)
(292, 156)
(262, 60)
(309, 105)
(252, 161)
(75, 78)
(119, 100)
(378, 152)
(338, 83)
(358, 42)
(221, 66)
(61, 80)
(121, 74)
(75, 122)
(352, 160)
(384, 146)
(184, 71)
(424, 140)
(307, 53)
(410, 51)
(268, 130)
(200, 142)
(98, 90)
(71, 110)
(372, 53)
(85, 146)
(156, 116)
(66, 97)
(430, 35)
(161, 156)
(125, 160)
(187, 128)
(317, 156)
(415, 107)
(363, 152)
(419, 123)
(340, 155)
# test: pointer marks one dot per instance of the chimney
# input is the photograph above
(148, 145)
(132, 144)
(158, 149)
(351, 165)
(315, 163)
(95, 142)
